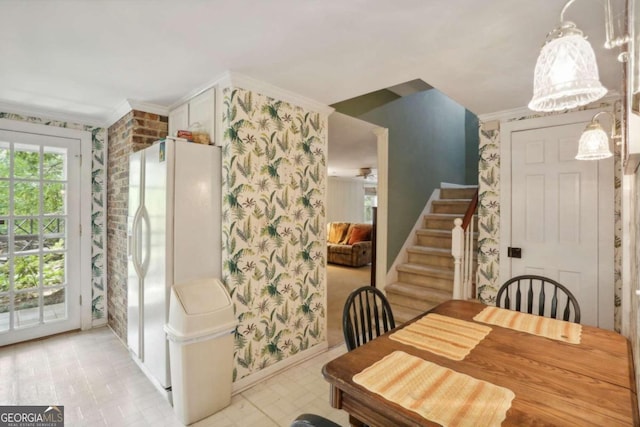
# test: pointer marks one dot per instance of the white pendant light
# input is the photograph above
(566, 73)
(594, 142)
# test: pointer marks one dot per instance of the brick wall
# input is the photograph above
(134, 131)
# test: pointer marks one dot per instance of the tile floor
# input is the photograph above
(93, 376)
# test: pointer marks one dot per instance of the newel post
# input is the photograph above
(457, 249)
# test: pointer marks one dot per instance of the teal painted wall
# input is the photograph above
(357, 106)
(472, 155)
(428, 141)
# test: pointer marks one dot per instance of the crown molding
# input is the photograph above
(129, 104)
(197, 91)
(515, 113)
(149, 107)
(44, 113)
(233, 79)
(246, 82)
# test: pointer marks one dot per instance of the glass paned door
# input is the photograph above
(39, 235)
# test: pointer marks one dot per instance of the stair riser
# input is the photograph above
(431, 260)
(449, 208)
(444, 223)
(457, 193)
(414, 303)
(426, 280)
(441, 242)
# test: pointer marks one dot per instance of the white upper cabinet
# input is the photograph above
(179, 119)
(199, 109)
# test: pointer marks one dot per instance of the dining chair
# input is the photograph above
(312, 420)
(538, 295)
(366, 315)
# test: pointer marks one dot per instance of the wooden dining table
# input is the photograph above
(555, 383)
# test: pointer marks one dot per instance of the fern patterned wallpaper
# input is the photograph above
(273, 227)
(489, 216)
(98, 217)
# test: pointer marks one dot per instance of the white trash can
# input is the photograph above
(200, 334)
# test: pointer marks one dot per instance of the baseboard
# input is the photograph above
(98, 323)
(392, 274)
(247, 382)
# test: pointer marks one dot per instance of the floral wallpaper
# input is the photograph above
(489, 215)
(273, 226)
(98, 217)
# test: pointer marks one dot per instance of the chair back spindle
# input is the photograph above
(366, 315)
(512, 293)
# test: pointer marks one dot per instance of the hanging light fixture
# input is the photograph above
(566, 73)
(594, 142)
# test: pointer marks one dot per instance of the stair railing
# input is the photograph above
(462, 251)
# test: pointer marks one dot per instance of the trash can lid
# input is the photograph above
(199, 308)
(202, 296)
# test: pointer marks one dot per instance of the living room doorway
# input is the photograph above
(353, 188)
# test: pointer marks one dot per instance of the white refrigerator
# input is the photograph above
(173, 226)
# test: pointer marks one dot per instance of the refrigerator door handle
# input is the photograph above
(135, 255)
(144, 266)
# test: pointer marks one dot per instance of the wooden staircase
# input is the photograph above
(426, 279)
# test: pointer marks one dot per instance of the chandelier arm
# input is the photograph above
(608, 26)
(613, 122)
(566, 6)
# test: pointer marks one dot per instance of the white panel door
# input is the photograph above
(39, 235)
(555, 212)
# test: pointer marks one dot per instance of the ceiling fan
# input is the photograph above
(365, 173)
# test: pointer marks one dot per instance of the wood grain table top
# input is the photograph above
(555, 383)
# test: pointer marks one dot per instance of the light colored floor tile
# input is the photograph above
(94, 377)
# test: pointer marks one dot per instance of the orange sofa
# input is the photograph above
(349, 244)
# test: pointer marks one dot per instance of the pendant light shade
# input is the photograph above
(594, 143)
(566, 73)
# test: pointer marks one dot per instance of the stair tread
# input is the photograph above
(438, 232)
(433, 231)
(444, 215)
(417, 291)
(451, 201)
(421, 269)
(430, 250)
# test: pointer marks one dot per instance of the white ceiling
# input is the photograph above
(352, 145)
(84, 58)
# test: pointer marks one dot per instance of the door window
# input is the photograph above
(39, 233)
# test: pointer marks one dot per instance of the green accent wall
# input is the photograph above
(363, 104)
(429, 142)
(472, 138)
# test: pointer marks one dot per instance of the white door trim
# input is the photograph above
(85, 202)
(606, 196)
(382, 135)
